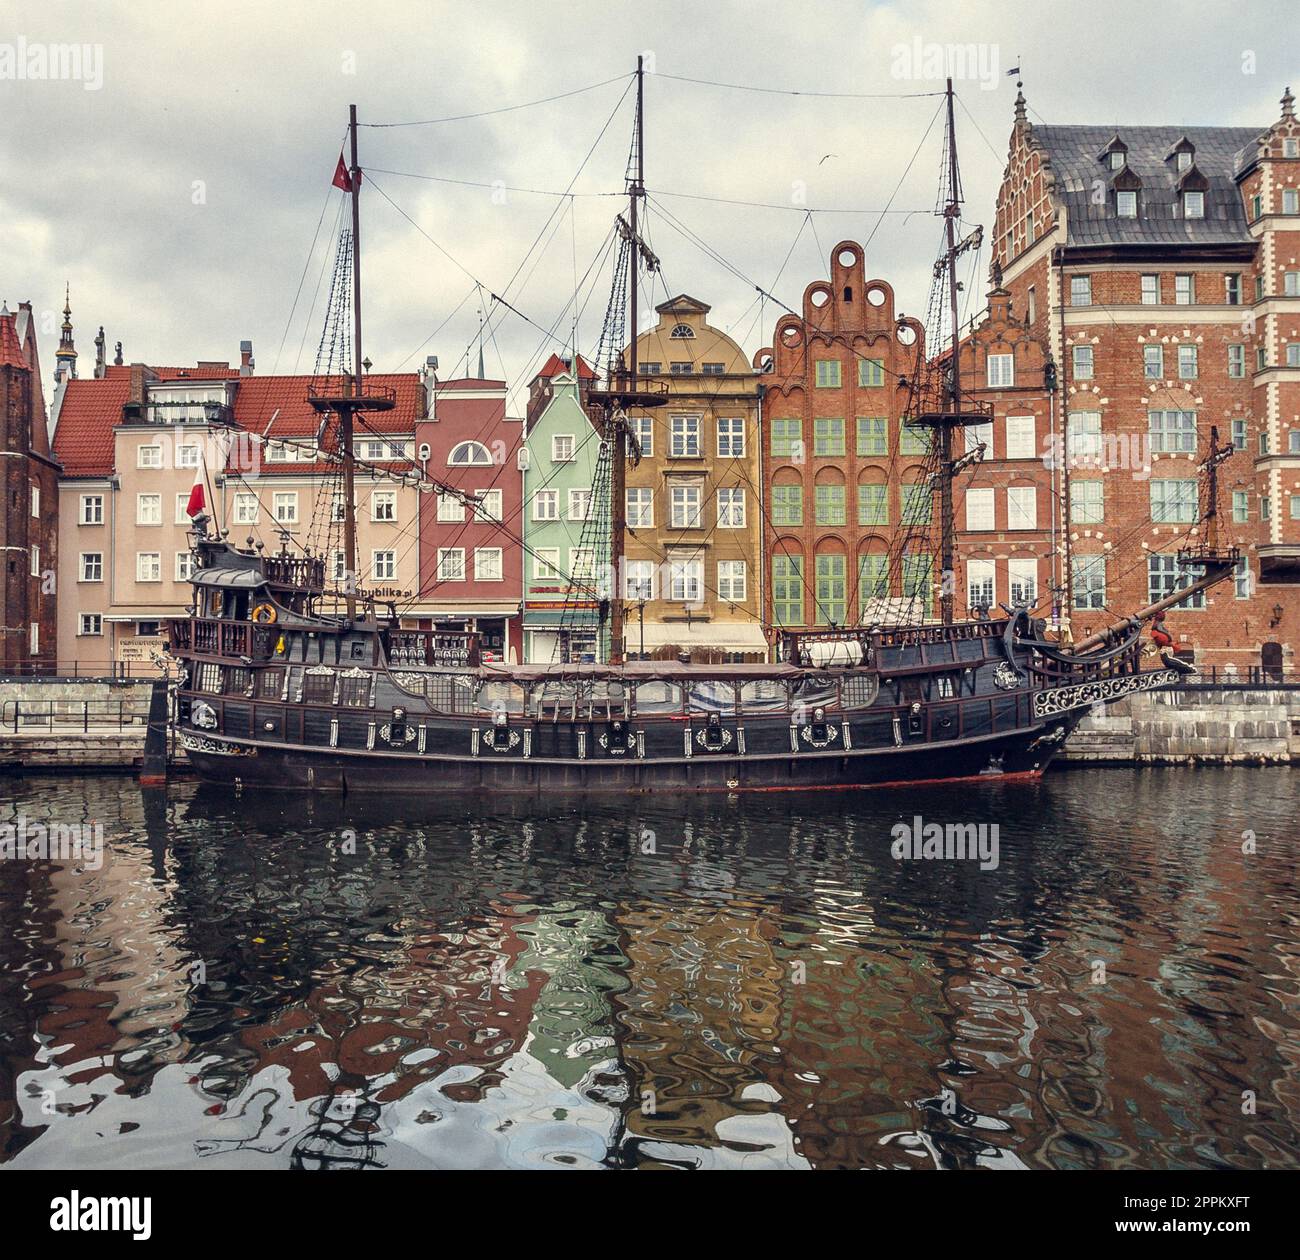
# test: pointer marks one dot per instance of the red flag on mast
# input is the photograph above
(342, 178)
(195, 504)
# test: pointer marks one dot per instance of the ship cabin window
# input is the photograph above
(209, 679)
(944, 688)
(713, 696)
(318, 688)
(912, 689)
(354, 692)
(450, 693)
(501, 697)
(270, 684)
(765, 695)
(658, 697)
(814, 692)
(238, 679)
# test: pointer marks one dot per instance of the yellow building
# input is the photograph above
(692, 578)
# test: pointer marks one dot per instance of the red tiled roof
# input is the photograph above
(469, 383)
(11, 350)
(556, 365)
(83, 438)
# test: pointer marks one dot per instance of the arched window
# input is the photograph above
(469, 454)
(682, 332)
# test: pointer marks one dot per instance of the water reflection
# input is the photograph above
(747, 982)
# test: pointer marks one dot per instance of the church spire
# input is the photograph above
(65, 357)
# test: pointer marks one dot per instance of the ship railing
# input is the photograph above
(432, 647)
(212, 636)
(303, 572)
(1055, 673)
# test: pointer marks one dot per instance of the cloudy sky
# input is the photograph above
(178, 187)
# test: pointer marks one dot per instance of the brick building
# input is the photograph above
(471, 561)
(839, 469)
(29, 515)
(1158, 265)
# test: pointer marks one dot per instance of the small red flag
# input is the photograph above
(195, 504)
(342, 179)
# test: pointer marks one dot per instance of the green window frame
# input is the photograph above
(1087, 501)
(871, 373)
(918, 581)
(827, 373)
(787, 437)
(1240, 506)
(832, 589)
(873, 435)
(1173, 501)
(873, 580)
(873, 503)
(828, 436)
(828, 504)
(787, 590)
(787, 505)
(911, 440)
(917, 503)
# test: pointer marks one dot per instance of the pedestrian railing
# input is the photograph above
(72, 715)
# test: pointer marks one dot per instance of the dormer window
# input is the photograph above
(682, 332)
(1126, 204)
(1117, 160)
(1291, 147)
(1193, 204)
(1184, 159)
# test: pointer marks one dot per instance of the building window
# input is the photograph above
(731, 437)
(787, 439)
(1241, 579)
(383, 505)
(338, 565)
(91, 624)
(1232, 289)
(246, 508)
(685, 580)
(1083, 437)
(1000, 371)
(487, 564)
(1032, 305)
(1290, 201)
(682, 368)
(383, 564)
(639, 579)
(92, 566)
(184, 566)
(36, 501)
(1290, 147)
(918, 581)
(713, 369)
(546, 505)
(1263, 444)
(828, 436)
(149, 456)
(1080, 290)
(873, 435)
(787, 505)
(182, 516)
(640, 507)
(1173, 501)
(92, 509)
(1022, 507)
(829, 508)
(1150, 290)
(1165, 576)
(34, 555)
(979, 509)
(1293, 442)
(832, 589)
(1184, 290)
(1193, 205)
(873, 580)
(873, 503)
(1022, 437)
(579, 504)
(451, 564)
(1187, 357)
(1172, 432)
(1126, 204)
(1086, 502)
(1089, 582)
(546, 564)
(917, 503)
(148, 566)
(1293, 354)
(733, 581)
(731, 507)
(488, 509)
(1081, 358)
(1265, 508)
(871, 373)
(451, 510)
(1239, 436)
(980, 584)
(1241, 506)
(650, 369)
(1184, 159)
(787, 590)
(977, 434)
(148, 509)
(1153, 362)
(912, 440)
(828, 373)
(685, 502)
(1236, 361)
(643, 430)
(685, 442)
(563, 448)
(682, 332)
(1256, 207)
(1022, 580)
(285, 506)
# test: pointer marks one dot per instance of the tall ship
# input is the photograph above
(286, 678)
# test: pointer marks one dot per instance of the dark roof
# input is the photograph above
(1074, 158)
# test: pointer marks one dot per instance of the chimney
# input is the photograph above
(430, 385)
(136, 392)
(246, 363)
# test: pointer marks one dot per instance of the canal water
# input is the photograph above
(747, 982)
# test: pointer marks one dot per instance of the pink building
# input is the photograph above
(471, 560)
